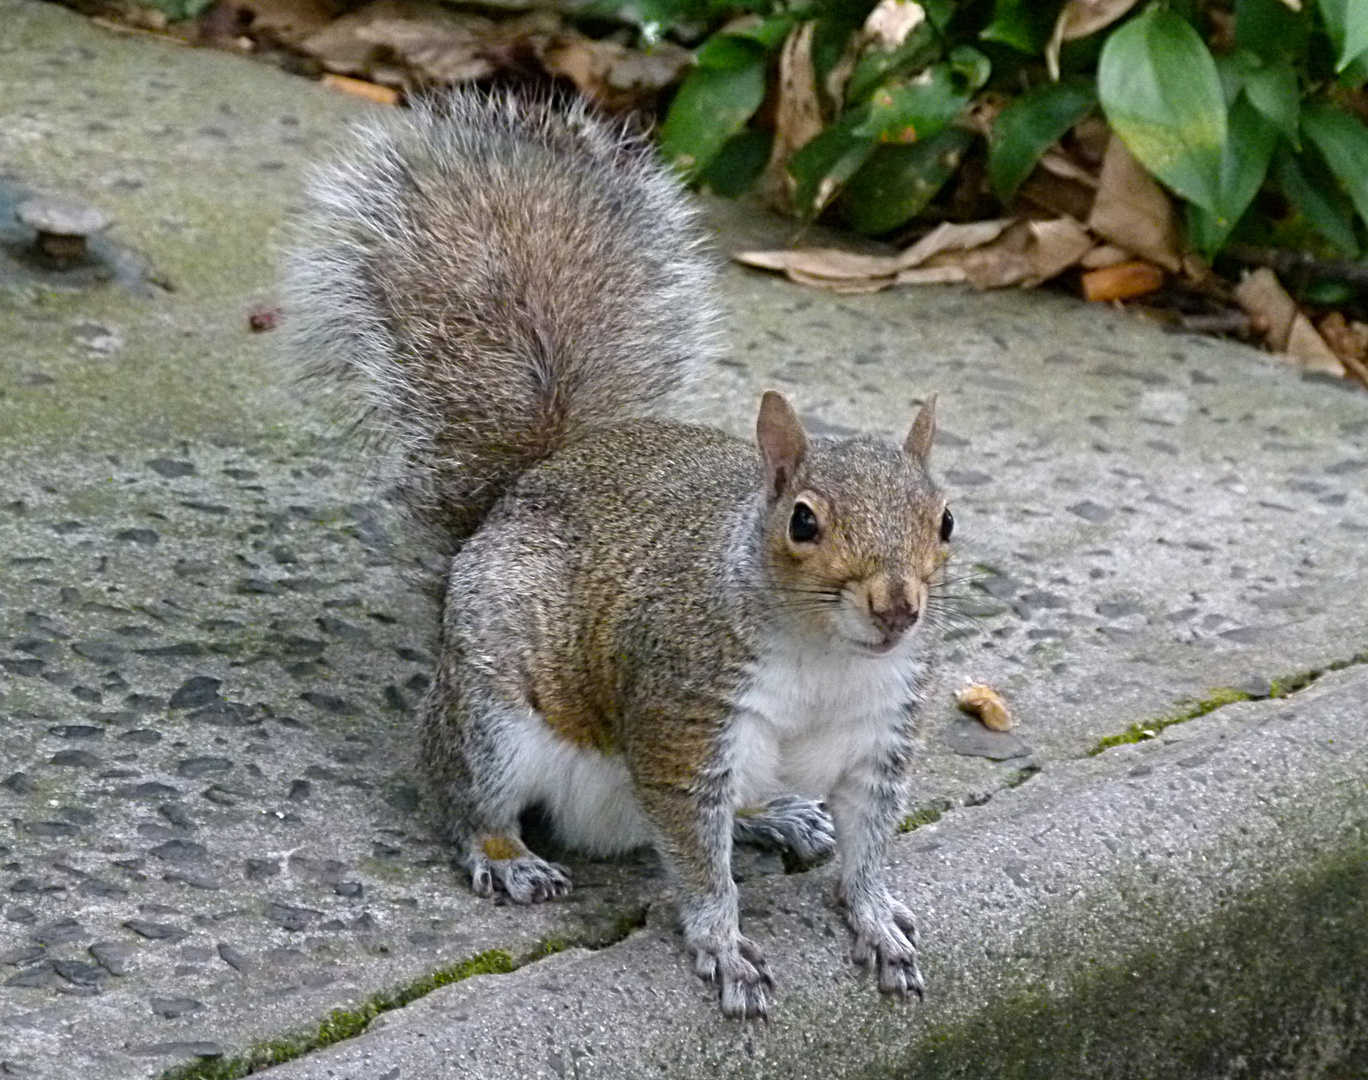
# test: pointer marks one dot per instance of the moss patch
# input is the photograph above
(1282, 687)
(925, 814)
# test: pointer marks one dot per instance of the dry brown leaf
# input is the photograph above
(1104, 255)
(1062, 165)
(287, 22)
(611, 75)
(982, 701)
(1309, 350)
(827, 263)
(837, 285)
(797, 118)
(932, 275)
(1133, 211)
(1078, 19)
(892, 20)
(1026, 254)
(1269, 306)
(397, 42)
(1349, 340)
(1124, 281)
(948, 236)
(381, 95)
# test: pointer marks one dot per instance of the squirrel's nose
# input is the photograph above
(896, 617)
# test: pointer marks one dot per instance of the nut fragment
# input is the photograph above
(981, 700)
(63, 225)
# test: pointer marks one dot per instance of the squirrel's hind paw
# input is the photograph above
(525, 878)
(801, 827)
(740, 967)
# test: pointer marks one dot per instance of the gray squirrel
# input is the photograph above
(656, 632)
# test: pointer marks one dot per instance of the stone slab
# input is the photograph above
(1193, 906)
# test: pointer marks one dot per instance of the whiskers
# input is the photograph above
(956, 608)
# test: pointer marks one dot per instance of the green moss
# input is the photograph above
(1278, 688)
(347, 1023)
(924, 815)
(1148, 729)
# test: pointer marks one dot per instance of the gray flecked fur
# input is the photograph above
(500, 291)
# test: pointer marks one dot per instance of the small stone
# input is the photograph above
(1090, 511)
(76, 971)
(195, 692)
(101, 652)
(141, 737)
(171, 469)
(172, 1007)
(59, 933)
(35, 978)
(77, 731)
(328, 702)
(143, 537)
(156, 931)
(180, 851)
(260, 869)
(152, 789)
(232, 957)
(353, 890)
(79, 759)
(289, 916)
(19, 783)
(972, 739)
(299, 789)
(24, 954)
(194, 1048)
(200, 766)
(177, 815)
(62, 216)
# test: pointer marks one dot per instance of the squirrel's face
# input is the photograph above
(856, 530)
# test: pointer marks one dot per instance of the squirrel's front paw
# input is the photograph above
(885, 938)
(739, 965)
(501, 865)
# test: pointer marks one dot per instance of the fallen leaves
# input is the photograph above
(982, 701)
(1284, 327)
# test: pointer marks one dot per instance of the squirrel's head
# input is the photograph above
(856, 532)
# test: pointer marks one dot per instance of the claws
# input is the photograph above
(886, 941)
(740, 967)
(526, 879)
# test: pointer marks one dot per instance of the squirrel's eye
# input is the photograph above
(803, 527)
(947, 525)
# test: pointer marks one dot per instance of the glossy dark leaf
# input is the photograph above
(1243, 168)
(1343, 142)
(821, 167)
(1029, 126)
(1316, 199)
(1023, 25)
(1273, 90)
(736, 167)
(1271, 30)
(712, 105)
(1347, 23)
(1162, 95)
(915, 111)
(897, 182)
(879, 66)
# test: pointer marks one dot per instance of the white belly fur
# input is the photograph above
(810, 715)
(589, 795)
(813, 713)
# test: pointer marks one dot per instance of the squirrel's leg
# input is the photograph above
(694, 828)
(867, 805)
(473, 746)
(789, 823)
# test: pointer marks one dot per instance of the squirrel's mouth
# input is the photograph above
(882, 647)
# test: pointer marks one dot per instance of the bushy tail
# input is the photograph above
(479, 280)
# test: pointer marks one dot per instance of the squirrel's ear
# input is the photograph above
(918, 441)
(783, 443)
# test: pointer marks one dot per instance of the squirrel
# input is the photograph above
(658, 633)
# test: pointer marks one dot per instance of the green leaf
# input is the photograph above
(1343, 142)
(879, 66)
(182, 9)
(1269, 29)
(739, 164)
(1162, 95)
(769, 34)
(1273, 90)
(728, 52)
(970, 66)
(712, 105)
(1029, 126)
(1316, 199)
(897, 182)
(1243, 168)
(1347, 23)
(915, 111)
(825, 163)
(1024, 25)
